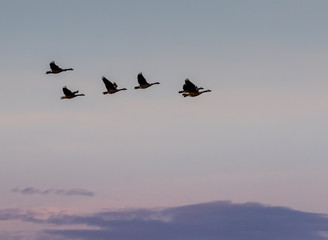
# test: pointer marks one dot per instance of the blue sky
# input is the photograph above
(259, 136)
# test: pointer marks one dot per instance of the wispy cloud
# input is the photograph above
(208, 221)
(64, 192)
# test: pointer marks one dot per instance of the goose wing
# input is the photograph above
(141, 79)
(109, 85)
(53, 66)
(189, 86)
(67, 92)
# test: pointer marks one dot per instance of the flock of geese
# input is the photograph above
(189, 89)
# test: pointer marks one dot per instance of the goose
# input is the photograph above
(55, 69)
(69, 94)
(189, 86)
(111, 87)
(143, 82)
(191, 90)
(194, 94)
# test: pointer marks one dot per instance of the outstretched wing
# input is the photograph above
(108, 83)
(67, 92)
(189, 86)
(53, 66)
(141, 79)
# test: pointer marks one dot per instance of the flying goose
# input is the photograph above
(143, 82)
(111, 87)
(55, 69)
(69, 94)
(189, 86)
(191, 90)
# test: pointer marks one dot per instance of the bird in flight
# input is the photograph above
(69, 94)
(111, 87)
(143, 82)
(55, 69)
(191, 90)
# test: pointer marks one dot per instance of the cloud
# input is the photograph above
(207, 221)
(63, 192)
(10, 214)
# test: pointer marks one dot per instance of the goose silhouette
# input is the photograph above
(111, 87)
(143, 82)
(191, 90)
(69, 94)
(55, 69)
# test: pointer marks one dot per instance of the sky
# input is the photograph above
(255, 143)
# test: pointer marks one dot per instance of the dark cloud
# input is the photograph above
(208, 221)
(10, 214)
(64, 192)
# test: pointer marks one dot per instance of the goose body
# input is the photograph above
(143, 82)
(111, 87)
(191, 90)
(69, 94)
(189, 87)
(195, 94)
(55, 69)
